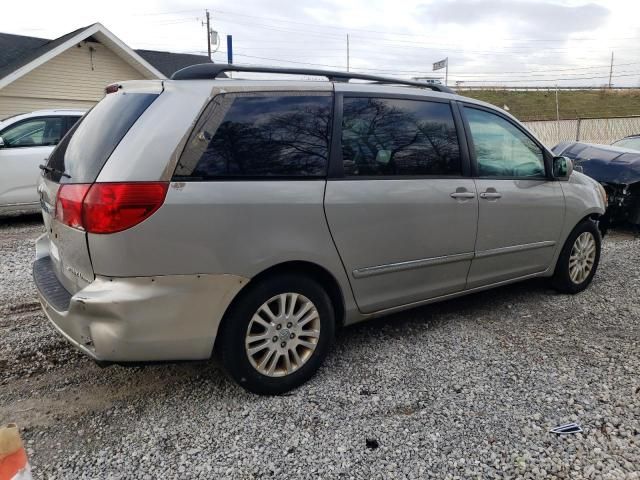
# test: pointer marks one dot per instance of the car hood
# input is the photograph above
(604, 163)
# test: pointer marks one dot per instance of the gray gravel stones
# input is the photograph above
(464, 389)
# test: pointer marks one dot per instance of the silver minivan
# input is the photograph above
(248, 219)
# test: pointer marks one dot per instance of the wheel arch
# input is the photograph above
(593, 214)
(559, 278)
(320, 274)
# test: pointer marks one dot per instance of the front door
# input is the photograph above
(26, 145)
(401, 213)
(521, 208)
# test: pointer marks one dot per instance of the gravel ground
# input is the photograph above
(463, 389)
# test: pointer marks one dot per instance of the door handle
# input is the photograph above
(463, 195)
(490, 195)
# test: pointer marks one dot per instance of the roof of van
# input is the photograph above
(229, 85)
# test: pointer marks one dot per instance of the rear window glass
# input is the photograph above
(274, 135)
(85, 149)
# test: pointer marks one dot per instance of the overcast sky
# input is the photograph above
(506, 42)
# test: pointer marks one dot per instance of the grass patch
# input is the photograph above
(541, 104)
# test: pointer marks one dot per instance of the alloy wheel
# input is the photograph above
(282, 334)
(582, 258)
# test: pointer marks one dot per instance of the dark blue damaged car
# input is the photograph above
(617, 168)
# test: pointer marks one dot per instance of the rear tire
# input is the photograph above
(578, 261)
(276, 334)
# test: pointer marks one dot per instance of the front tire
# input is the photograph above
(579, 259)
(277, 334)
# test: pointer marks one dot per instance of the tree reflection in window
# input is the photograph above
(398, 137)
(262, 136)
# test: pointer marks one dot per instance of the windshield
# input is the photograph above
(632, 143)
(85, 149)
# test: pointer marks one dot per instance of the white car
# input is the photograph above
(26, 141)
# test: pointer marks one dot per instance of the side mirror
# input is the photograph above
(1, 142)
(562, 167)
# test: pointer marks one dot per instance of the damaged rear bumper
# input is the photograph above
(138, 319)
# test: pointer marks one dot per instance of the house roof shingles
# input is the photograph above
(169, 63)
(19, 50)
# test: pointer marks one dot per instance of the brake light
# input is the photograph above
(109, 207)
(69, 204)
(113, 207)
(113, 88)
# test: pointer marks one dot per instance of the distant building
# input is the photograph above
(72, 71)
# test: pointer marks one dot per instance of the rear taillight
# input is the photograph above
(69, 204)
(110, 207)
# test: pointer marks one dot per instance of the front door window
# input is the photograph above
(501, 148)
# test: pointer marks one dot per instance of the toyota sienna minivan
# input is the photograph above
(247, 219)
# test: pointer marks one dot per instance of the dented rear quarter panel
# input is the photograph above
(227, 227)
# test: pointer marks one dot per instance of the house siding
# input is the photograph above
(74, 79)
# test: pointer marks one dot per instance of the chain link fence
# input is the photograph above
(590, 130)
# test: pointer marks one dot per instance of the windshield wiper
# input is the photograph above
(54, 170)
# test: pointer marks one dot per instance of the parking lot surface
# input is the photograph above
(464, 389)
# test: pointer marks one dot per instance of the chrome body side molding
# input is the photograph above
(429, 262)
(410, 265)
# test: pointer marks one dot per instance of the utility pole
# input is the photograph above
(208, 35)
(557, 115)
(347, 52)
(611, 70)
(446, 72)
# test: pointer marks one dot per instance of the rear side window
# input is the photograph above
(392, 137)
(86, 148)
(274, 135)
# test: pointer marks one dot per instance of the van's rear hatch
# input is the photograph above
(75, 165)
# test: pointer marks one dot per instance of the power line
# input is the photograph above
(337, 66)
(591, 72)
(421, 72)
(474, 53)
(440, 51)
(534, 72)
(635, 74)
(529, 73)
(386, 32)
(164, 13)
(380, 53)
(376, 54)
(175, 22)
(403, 43)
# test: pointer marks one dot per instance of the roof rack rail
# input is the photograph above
(208, 71)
